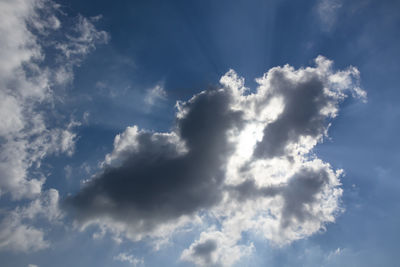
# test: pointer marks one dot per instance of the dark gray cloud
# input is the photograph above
(156, 182)
(204, 250)
(249, 190)
(301, 191)
(301, 116)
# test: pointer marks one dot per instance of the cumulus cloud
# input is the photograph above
(234, 162)
(36, 61)
(166, 168)
(17, 232)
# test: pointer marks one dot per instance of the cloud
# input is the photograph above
(81, 39)
(155, 94)
(36, 62)
(215, 248)
(205, 249)
(124, 257)
(327, 13)
(37, 59)
(20, 237)
(16, 231)
(148, 175)
(234, 162)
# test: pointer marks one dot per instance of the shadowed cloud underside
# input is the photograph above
(244, 159)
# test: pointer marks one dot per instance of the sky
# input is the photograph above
(199, 133)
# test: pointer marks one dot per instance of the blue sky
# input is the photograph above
(101, 167)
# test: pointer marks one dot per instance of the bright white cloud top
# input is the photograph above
(237, 161)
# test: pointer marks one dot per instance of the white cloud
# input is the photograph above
(29, 93)
(46, 206)
(155, 94)
(327, 13)
(28, 88)
(124, 257)
(215, 247)
(20, 237)
(82, 39)
(16, 230)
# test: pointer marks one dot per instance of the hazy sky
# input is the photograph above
(199, 133)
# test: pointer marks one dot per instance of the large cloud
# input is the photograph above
(37, 57)
(234, 161)
(154, 177)
(36, 60)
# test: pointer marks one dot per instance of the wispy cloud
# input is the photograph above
(17, 232)
(327, 13)
(37, 60)
(28, 88)
(155, 94)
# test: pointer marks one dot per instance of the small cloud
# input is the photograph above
(124, 257)
(86, 168)
(68, 172)
(155, 94)
(111, 90)
(101, 85)
(327, 13)
(86, 117)
(335, 253)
